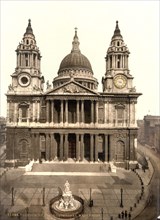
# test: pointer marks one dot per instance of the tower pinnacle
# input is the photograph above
(117, 31)
(29, 28)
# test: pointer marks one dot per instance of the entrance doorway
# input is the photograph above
(43, 155)
(72, 146)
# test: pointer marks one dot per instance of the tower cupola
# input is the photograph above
(28, 54)
(27, 76)
(117, 68)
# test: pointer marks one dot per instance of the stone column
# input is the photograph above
(47, 146)
(33, 110)
(66, 146)
(32, 146)
(105, 113)
(96, 148)
(52, 111)
(77, 147)
(91, 147)
(54, 147)
(92, 111)
(106, 147)
(47, 111)
(61, 116)
(113, 61)
(15, 112)
(38, 110)
(66, 110)
(77, 111)
(82, 111)
(61, 147)
(96, 112)
(36, 147)
(82, 147)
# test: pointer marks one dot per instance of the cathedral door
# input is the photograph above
(72, 146)
(72, 149)
(120, 151)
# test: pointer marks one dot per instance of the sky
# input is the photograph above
(53, 24)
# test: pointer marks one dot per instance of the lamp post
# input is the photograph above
(121, 204)
(90, 200)
(102, 213)
(43, 196)
(12, 189)
(27, 210)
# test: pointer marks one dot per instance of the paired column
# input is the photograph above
(61, 146)
(92, 111)
(66, 110)
(77, 111)
(91, 147)
(82, 147)
(97, 112)
(106, 148)
(96, 147)
(77, 147)
(82, 111)
(61, 116)
(48, 147)
(47, 111)
(52, 111)
(66, 146)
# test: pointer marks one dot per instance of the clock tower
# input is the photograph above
(27, 76)
(117, 77)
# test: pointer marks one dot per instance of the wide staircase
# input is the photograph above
(70, 167)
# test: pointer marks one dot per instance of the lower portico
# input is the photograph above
(79, 146)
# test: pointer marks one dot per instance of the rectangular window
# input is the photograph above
(120, 115)
(24, 114)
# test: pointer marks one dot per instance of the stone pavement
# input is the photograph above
(105, 193)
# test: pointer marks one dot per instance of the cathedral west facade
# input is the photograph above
(71, 119)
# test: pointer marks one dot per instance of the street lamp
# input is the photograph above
(43, 196)
(91, 200)
(121, 204)
(12, 196)
(27, 211)
(102, 212)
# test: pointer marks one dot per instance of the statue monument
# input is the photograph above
(66, 205)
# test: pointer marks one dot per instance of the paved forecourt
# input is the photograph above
(104, 188)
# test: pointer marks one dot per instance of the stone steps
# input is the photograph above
(70, 167)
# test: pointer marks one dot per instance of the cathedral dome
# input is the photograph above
(76, 65)
(75, 60)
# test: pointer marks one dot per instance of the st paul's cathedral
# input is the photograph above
(71, 119)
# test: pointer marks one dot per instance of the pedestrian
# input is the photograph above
(129, 216)
(125, 214)
(122, 214)
(109, 168)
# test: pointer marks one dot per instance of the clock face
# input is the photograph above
(24, 79)
(120, 81)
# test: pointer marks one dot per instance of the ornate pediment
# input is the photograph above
(71, 88)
